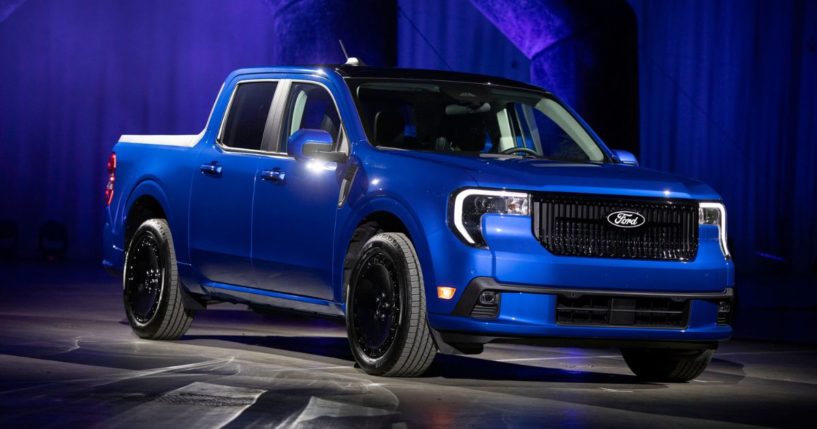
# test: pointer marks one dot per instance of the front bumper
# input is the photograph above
(529, 314)
(530, 281)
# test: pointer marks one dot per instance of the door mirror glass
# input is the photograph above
(626, 157)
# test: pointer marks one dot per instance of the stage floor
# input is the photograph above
(68, 358)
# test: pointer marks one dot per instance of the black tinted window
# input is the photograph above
(248, 115)
(310, 107)
(472, 119)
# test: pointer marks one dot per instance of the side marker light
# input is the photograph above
(445, 292)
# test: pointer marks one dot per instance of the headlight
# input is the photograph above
(715, 214)
(471, 204)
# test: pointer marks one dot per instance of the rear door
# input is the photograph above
(223, 188)
(294, 215)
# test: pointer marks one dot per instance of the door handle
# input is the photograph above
(275, 175)
(211, 169)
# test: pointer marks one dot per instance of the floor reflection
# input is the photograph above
(68, 361)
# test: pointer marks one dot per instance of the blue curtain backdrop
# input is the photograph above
(75, 74)
(729, 95)
(454, 35)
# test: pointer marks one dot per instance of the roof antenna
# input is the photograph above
(350, 61)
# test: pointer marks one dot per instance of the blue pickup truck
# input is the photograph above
(433, 211)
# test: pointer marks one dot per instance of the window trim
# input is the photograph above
(227, 111)
(341, 144)
(277, 109)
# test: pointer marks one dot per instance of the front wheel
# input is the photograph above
(667, 365)
(386, 309)
(151, 285)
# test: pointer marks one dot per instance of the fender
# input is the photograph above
(151, 188)
(389, 204)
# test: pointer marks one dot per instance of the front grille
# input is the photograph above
(598, 310)
(570, 225)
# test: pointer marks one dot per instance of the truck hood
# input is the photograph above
(532, 174)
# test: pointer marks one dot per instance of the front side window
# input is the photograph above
(310, 106)
(471, 119)
(248, 115)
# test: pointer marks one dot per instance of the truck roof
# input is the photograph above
(349, 71)
(405, 73)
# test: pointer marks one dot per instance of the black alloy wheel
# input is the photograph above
(152, 291)
(376, 304)
(145, 279)
(386, 309)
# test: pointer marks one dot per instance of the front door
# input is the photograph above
(295, 207)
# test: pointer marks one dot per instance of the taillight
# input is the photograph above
(111, 178)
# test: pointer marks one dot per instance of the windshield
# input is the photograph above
(471, 119)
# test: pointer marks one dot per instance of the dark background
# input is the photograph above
(722, 91)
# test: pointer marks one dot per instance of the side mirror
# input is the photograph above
(626, 157)
(308, 144)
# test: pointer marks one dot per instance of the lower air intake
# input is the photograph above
(599, 310)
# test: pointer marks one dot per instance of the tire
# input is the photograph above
(667, 365)
(386, 309)
(151, 286)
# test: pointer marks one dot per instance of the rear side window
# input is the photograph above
(248, 114)
(310, 106)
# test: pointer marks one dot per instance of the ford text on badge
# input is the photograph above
(626, 219)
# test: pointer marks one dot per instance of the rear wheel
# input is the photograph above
(667, 365)
(151, 287)
(386, 309)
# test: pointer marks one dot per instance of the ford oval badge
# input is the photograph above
(626, 219)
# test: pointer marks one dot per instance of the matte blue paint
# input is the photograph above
(282, 243)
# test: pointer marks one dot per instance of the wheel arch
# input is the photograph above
(392, 216)
(146, 201)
